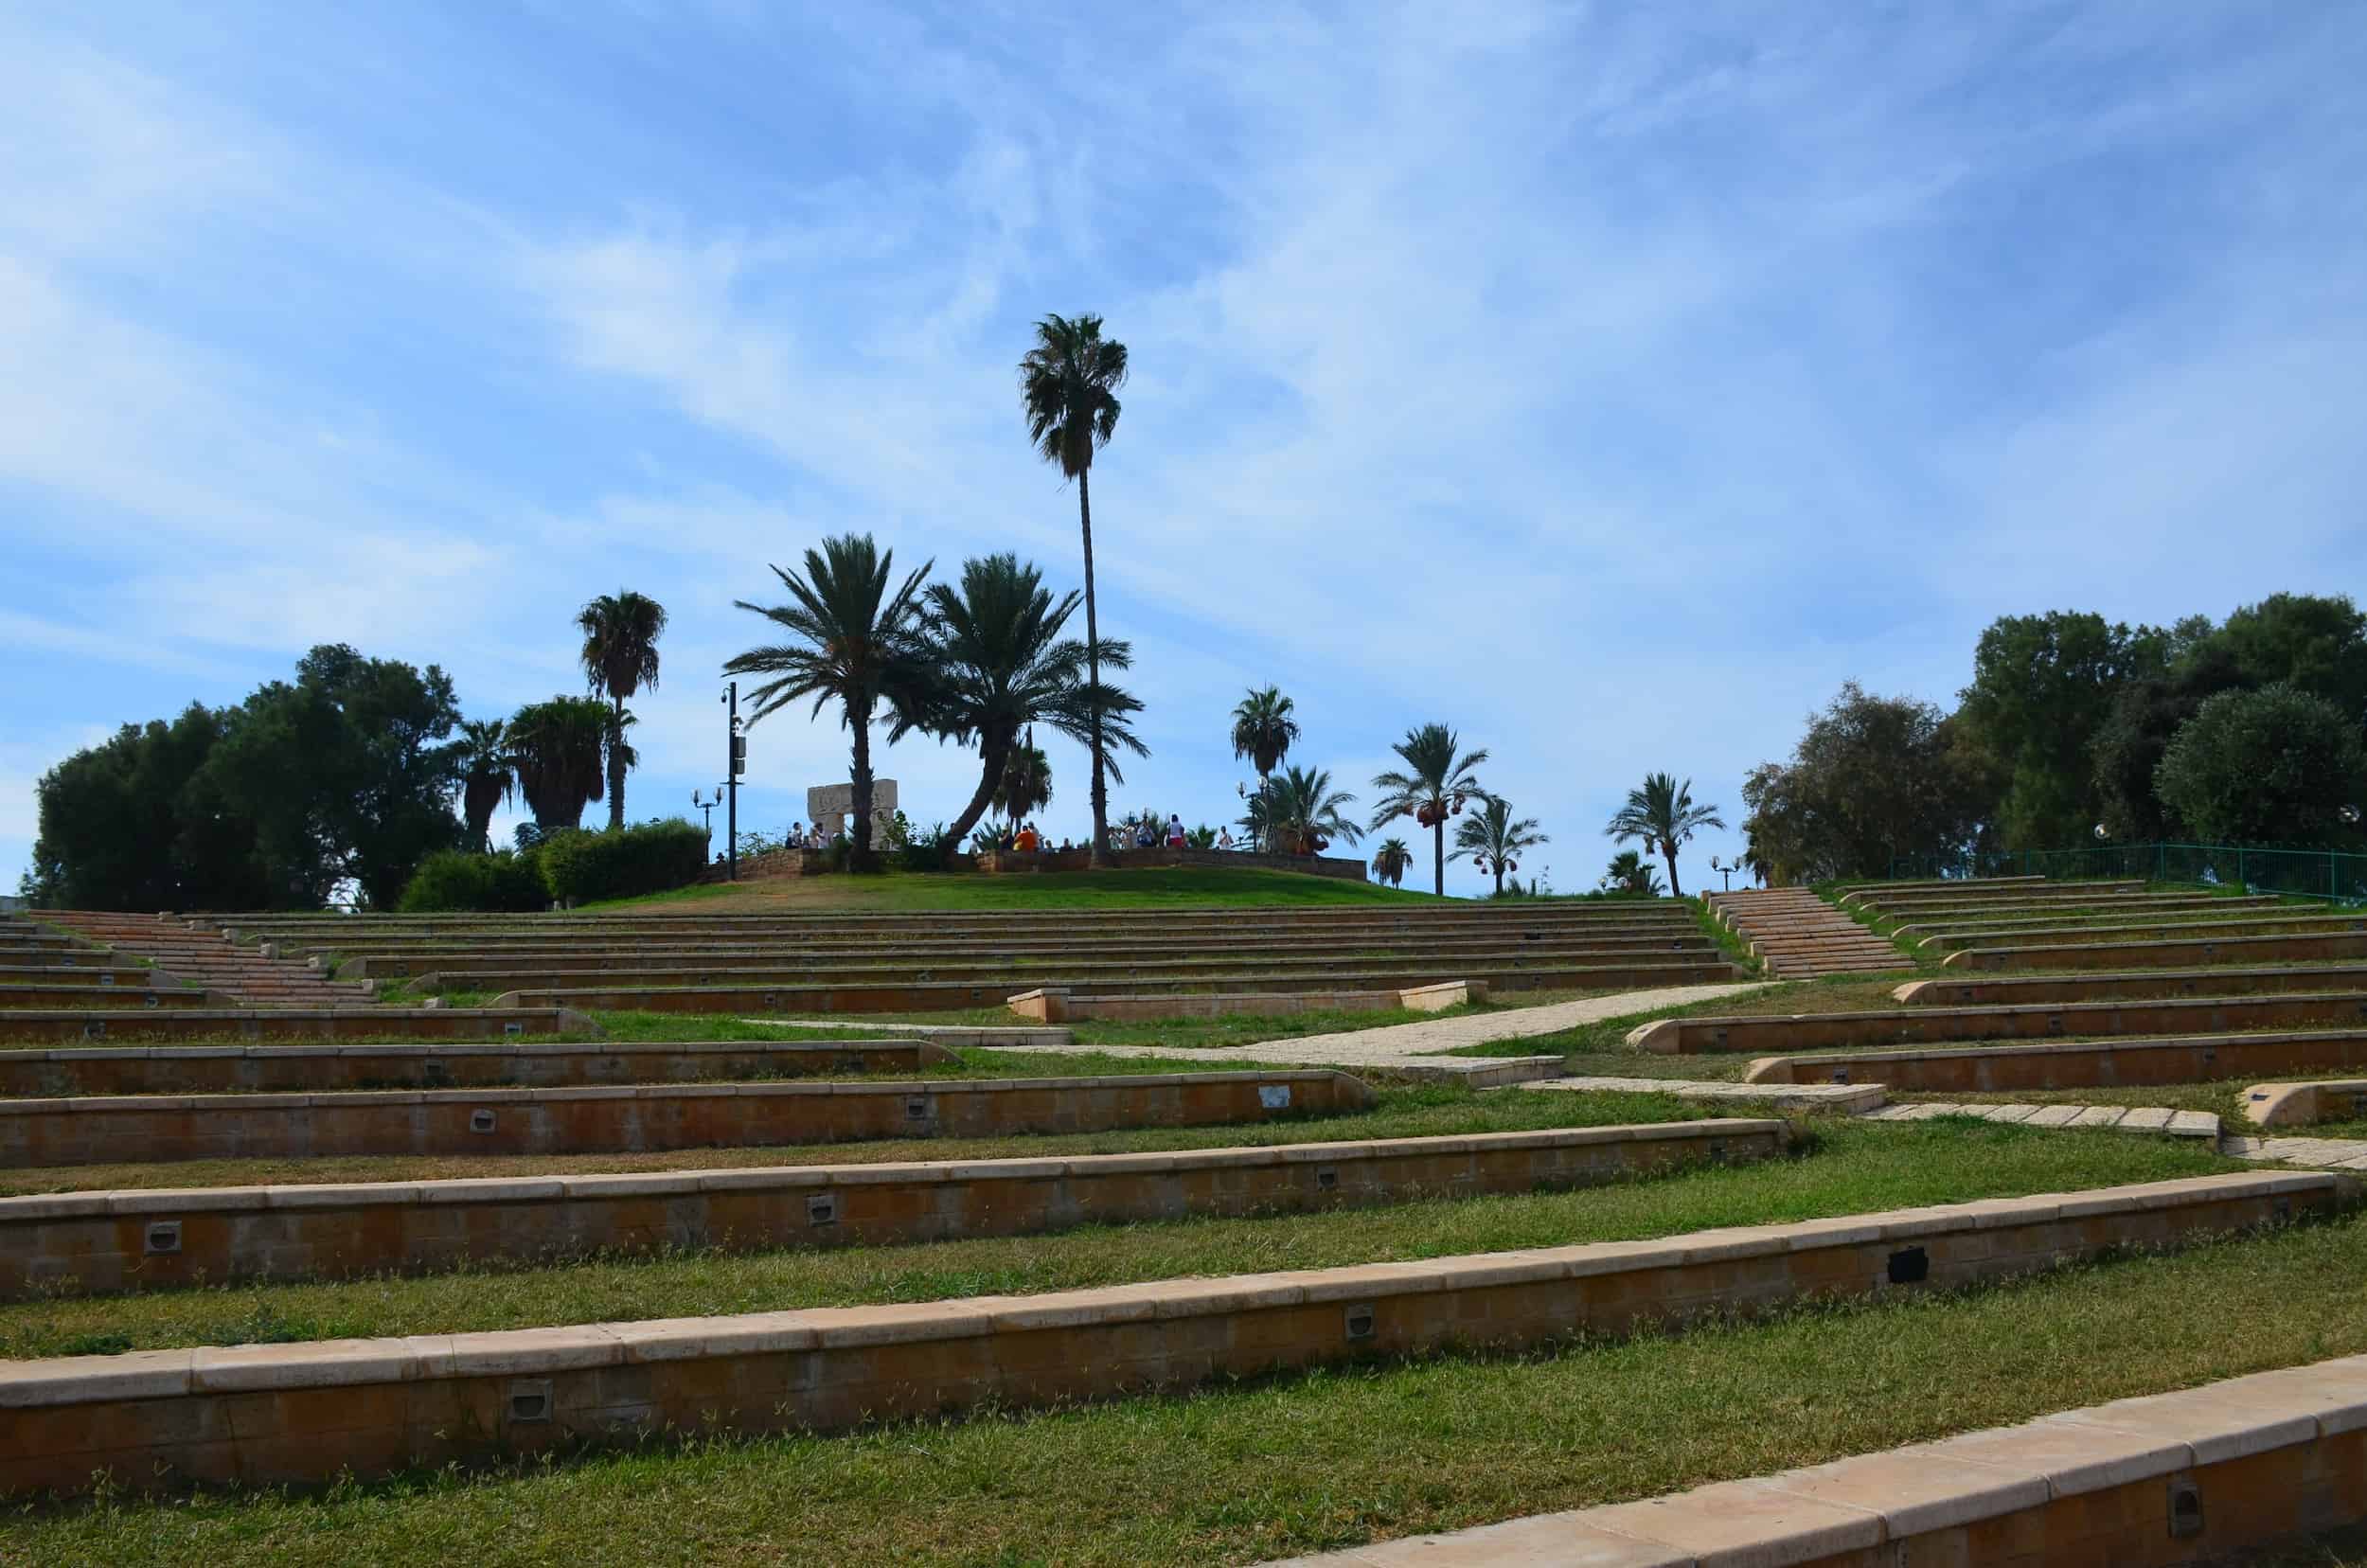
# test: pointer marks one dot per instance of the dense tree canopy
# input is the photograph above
(342, 776)
(2278, 765)
(1874, 778)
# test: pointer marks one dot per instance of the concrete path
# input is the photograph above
(1417, 1047)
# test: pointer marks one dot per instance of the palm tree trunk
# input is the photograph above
(616, 766)
(1438, 857)
(997, 754)
(1093, 663)
(1669, 853)
(1500, 879)
(859, 855)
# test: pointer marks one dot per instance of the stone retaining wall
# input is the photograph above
(296, 1069)
(149, 1238)
(2074, 1064)
(301, 1413)
(2168, 1015)
(360, 1023)
(158, 1128)
(2163, 1479)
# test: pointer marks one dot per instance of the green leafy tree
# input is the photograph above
(489, 777)
(2043, 688)
(134, 823)
(557, 750)
(996, 664)
(620, 633)
(1630, 872)
(1263, 728)
(345, 772)
(1438, 781)
(1495, 840)
(1303, 812)
(1392, 860)
(2314, 643)
(1661, 815)
(1872, 779)
(2128, 751)
(1068, 384)
(2279, 765)
(853, 641)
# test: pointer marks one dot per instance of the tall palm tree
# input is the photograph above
(1392, 861)
(1436, 781)
(856, 643)
(997, 663)
(1026, 787)
(556, 750)
(1263, 728)
(1303, 810)
(620, 633)
(1495, 840)
(489, 776)
(1068, 385)
(1662, 815)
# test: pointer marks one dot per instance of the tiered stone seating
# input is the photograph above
(1799, 934)
(244, 976)
(871, 963)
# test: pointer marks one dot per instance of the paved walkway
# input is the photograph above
(1416, 1046)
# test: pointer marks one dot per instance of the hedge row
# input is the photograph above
(569, 867)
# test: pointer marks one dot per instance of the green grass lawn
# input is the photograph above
(1244, 1472)
(1844, 1169)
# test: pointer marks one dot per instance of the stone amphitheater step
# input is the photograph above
(1924, 922)
(1886, 897)
(2304, 948)
(243, 975)
(2077, 986)
(1800, 935)
(2049, 933)
(1940, 1026)
(199, 1025)
(2076, 1064)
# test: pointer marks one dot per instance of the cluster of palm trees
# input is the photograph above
(563, 754)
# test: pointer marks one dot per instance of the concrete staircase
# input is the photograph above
(242, 976)
(1800, 935)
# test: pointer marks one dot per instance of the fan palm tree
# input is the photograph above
(1263, 728)
(997, 664)
(1026, 787)
(1662, 815)
(620, 633)
(489, 777)
(556, 750)
(1392, 861)
(1068, 384)
(1303, 812)
(856, 643)
(1495, 840)
(1435, 783)
(1630, 872)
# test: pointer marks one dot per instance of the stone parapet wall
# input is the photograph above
(148, 1128)
(150, 1239)
(296, 1069)
(2075, 1064)
(299, 1413)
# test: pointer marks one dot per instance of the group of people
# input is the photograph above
(1147, 834)
(799, 838)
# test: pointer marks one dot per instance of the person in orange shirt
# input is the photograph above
(1029, 841)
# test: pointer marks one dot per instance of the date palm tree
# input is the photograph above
(855, 642)
(1392, 861)
(489, 777)
(997, 664)
(1630, 872)
(1435, 783)
(1303, 810)
(1263, 728)
(1026, 787)
(1662, 815)
(556, 750)
(1495, 840)
(620, 633)
(1068, 384)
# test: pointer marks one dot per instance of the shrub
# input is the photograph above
(579, 867)
(926, 852)
(453, 880)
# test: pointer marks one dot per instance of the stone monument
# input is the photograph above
(835, 801)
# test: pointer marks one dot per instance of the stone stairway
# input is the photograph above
(244, 976)
(1800, 935)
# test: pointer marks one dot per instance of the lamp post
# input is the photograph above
(706, 808)
(1726, 871)
(735, 763)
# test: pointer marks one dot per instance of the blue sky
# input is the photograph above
(1610, 381)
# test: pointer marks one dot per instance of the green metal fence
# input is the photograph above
(2335, 874)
